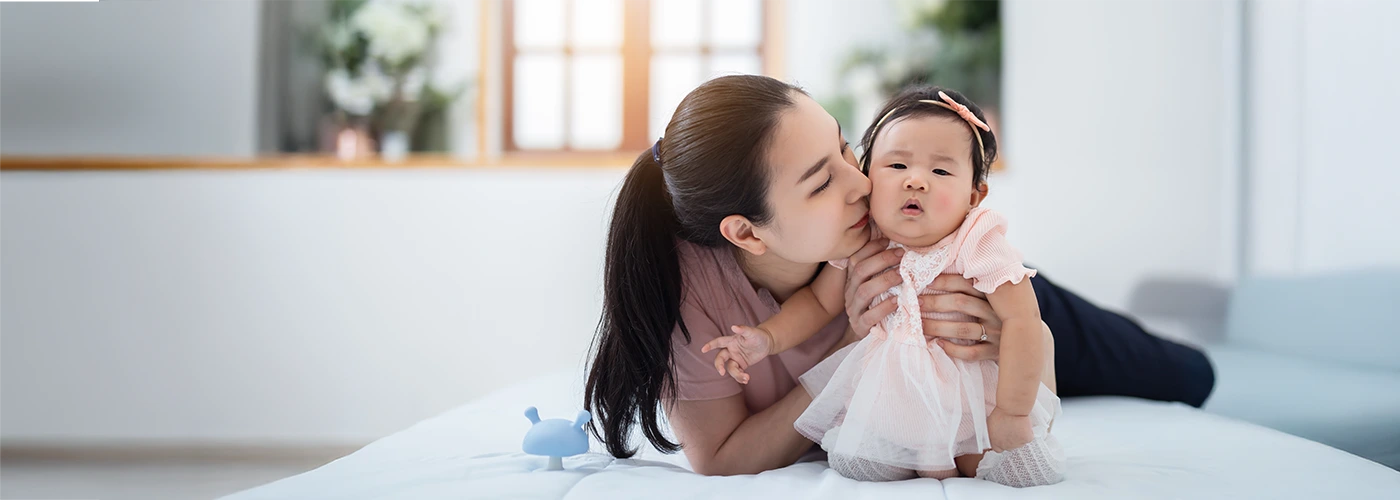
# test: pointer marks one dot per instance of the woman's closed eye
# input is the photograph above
(824, 185)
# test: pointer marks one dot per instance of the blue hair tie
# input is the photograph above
(656, 151)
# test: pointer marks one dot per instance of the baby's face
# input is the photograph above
(921, 179)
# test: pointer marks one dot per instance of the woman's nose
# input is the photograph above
(859, 190)
(856, 183)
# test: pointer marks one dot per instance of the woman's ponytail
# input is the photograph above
(641, 305)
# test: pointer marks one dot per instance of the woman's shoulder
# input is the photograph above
(702, 265)
(707, 273)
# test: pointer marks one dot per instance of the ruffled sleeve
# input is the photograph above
(986, 257)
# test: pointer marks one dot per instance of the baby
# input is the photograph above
(894, 406)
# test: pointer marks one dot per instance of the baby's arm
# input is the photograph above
(1022, 364)
(801, 316)
(807, 311)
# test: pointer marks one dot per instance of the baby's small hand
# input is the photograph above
(1007, 431)
(738, 352)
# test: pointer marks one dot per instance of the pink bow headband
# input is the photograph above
(955, 107)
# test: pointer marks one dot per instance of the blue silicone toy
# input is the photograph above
(556, 438)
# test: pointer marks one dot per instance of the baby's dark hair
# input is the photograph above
(906, 104)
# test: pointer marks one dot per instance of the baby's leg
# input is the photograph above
(861, 469)
(939, 474)
(967, 464)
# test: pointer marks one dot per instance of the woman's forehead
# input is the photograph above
(805, 135)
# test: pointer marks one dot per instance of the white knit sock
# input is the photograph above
(861, 469)
(1038, 463)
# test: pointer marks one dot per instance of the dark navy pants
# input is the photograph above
(1099, 352)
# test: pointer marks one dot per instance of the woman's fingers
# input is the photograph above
(965, 330)
(886, 259)
(986, 322)
(876, 313)
(861, 271)
(976, 352)
(872, 288)
(961, 303)
(956, 284)
(864, 281)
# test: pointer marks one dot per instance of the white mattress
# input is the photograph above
(1117, 448)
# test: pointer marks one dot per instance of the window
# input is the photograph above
(605, 75)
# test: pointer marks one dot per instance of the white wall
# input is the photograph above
(317, 306)
(1115, 135)
(1324, 156)
(460, 45)
(820, 33)
(143, 78)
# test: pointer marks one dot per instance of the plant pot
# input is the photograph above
(346, 138)
(394, 145)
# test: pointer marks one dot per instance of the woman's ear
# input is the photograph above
(739, 231)
(979, 194)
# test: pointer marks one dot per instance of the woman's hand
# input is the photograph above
(871, 271)
(962, 298)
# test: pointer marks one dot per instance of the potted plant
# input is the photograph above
(378, 57)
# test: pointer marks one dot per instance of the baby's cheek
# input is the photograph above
(951, 202)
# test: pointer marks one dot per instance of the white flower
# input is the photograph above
(351, 95)
(338, 37)
(910, 11)
(395, 33)
(413, 84)
(380, 85)
(435, 14)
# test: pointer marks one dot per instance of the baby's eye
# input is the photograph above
(897, 166)
(940, 171)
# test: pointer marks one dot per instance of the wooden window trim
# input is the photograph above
(637, 53)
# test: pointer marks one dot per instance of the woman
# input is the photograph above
(751, 189)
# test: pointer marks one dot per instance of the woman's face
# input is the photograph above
(816, 191)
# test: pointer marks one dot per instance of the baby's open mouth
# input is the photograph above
(912, 208)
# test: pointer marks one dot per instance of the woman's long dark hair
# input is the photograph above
(906, 104)
(710, 167)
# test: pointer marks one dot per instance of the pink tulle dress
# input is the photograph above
(893, 398)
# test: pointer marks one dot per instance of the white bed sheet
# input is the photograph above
(1117, 448)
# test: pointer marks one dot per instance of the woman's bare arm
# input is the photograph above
(721, 438)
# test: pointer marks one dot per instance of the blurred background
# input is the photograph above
(270, 232)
